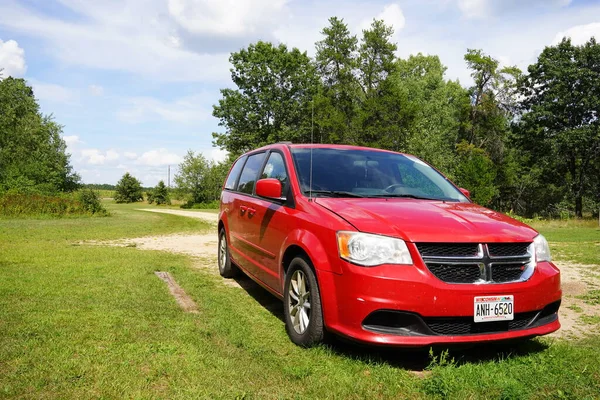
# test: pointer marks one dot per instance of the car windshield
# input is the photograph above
(370, 173)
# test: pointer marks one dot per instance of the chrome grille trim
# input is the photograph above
(483, 259)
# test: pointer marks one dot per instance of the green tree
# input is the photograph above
(436, 107)
(560, 126)
(190, 180)
(160, 194)
(128, 190)
(382, 117)
(33, 157)
(475, 171)
(272, 101)
(336, 62)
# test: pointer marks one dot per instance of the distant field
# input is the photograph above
(106, 194)
(88, 321)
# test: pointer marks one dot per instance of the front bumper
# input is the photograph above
(350, 301)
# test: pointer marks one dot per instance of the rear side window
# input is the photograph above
(235, 172)
(275, 168)
(250, 173)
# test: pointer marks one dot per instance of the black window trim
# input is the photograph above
(237, 179)
(289, 197)
(289, 202)
(248, 155)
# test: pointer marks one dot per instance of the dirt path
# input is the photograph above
(206, 216)
(579, 316)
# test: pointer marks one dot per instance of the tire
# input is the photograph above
(226, 268)
(301, 278)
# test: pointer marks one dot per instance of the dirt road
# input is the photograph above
(577, 280)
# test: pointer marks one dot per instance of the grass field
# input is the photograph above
(80, 321)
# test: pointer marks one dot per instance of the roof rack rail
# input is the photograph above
(284, 142)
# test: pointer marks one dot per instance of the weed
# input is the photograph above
(592, 297)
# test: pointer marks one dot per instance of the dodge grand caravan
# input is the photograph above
(380, 248)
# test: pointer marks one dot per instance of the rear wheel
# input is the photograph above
(302, 304)
(226, 268)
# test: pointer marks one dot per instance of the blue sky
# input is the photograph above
(133, 81)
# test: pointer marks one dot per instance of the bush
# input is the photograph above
(90, 201)
(160, 194)
(129, 190)
(215, 204)
(27, 205)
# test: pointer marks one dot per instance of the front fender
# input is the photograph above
(315, 248)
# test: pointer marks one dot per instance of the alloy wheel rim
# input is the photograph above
(299, 302)
(222, 252)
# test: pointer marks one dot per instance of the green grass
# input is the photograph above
(574, 240)
(81, 321)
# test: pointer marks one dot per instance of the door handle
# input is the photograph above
(243, 210)
(251, 212)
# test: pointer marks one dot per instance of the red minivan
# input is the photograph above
(381, 248)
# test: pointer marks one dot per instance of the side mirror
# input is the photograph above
(269, 188)
(465, 192)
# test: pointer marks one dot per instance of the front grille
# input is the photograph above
(455, 273)
(466, 326)
(508, 249)
(507, 272)
(448, 249)
(476, 262)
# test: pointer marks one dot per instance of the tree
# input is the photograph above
(436, 108)
(33, 157)
(160, 194)
(128, 190)
(272, 101)
(190, 180)
(475, 171)
(382, 117)
(336, 102)
(560, 125)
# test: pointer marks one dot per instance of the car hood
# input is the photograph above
(429, 221)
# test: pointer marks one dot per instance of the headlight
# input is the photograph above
(370, 250)
(542, 250)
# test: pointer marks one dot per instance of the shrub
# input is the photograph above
(27, 205)
(90, 201)
(129, 190)
(160, 194)
(198, 206)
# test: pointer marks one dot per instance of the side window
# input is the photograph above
(234, 173)
(275, 168)
(250, 173)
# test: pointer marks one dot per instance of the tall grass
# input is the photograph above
(32, 205)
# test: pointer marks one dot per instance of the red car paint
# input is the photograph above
(260, 231)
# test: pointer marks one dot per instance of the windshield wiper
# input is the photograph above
(334, 193)
(409, 196)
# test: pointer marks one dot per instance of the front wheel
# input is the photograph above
(302, 305)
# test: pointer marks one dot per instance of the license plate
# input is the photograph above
(494, 308)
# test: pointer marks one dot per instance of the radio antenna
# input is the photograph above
(312, 129)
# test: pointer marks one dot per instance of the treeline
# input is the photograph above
(33, 157)
(522, 142)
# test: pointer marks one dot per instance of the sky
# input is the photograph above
(133, 82)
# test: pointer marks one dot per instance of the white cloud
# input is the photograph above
(226, 17)
(474, 8)
(487, 8)
(184, 110)
(579, 34)
(392, 15)
(111, 155)
(118, 35)
(12, 59)
(97, 157)
(72, 140)
(130, 155)
(52, 92)
(216, 154)
(96, 90)
(158, 157)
